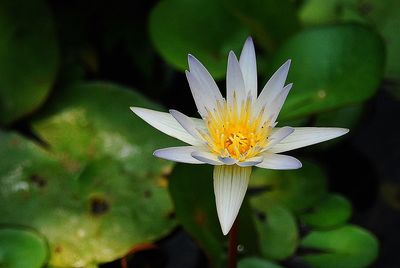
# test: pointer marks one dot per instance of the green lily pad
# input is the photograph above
(178, 27)
(210, 29)
(295, 189)
(253, 262)
(97, 191)
(28, 65)
(347, 247)
(332, 211)
(328, 68)
(314, 12)
(21, 248)
(191, 188)
(278, 232)
(384, 15)
(89, 121)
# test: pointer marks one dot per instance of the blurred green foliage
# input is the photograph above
(28, 57)
(79, 174)
(21, 248)
(86, 194)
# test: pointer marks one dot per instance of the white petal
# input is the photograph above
(204, 77)
(278, 135)
(165, 123)
(207, 157)
(182, 154)
(248, 65)
(275, 107)
(304, 136)
(227, 160)
(274, 85)
(251, 161)
(204, 101)
(199, 123)
(186, 122)
(205, 83)
(234, 81)
(230, 185)
(279, 161)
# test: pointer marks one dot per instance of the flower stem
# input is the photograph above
(232, 257)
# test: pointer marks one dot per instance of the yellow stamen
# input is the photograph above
(235, 130)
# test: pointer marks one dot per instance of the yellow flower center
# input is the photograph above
(235, 131)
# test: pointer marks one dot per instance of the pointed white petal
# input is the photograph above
(278, 135)
(304, 136)
(204, 78)
(186, 122)
(207, 157)
(275, 107)
(274, 85)
(201, 97)
(234, 81)
(279, 161)
(251, 161)
(165, 123)
(230, 185)
(248, 65)
(182, 154)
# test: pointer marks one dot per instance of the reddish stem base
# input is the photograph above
(232, 254)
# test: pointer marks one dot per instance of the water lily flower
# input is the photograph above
(237, 132)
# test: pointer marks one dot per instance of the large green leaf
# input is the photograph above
(330, 69)
(346, 247)
(21, 248)
(99, 191)
(264, 20)
(295, 189)
(191, 188)
(254, 262)
(201, 27)
(209, 29)
(314, 12)
(278, 232)
(347, 117)
(28, 57)
(332, 211)
(93, 120)
(382, 15)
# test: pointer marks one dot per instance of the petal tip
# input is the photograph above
(137, 110)
(225, 230)
(249, 44)
(299, 164)
(286, 65)
(193, 61)
(232, 55)
(341, 131)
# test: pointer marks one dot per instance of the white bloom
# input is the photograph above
(235, 133)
